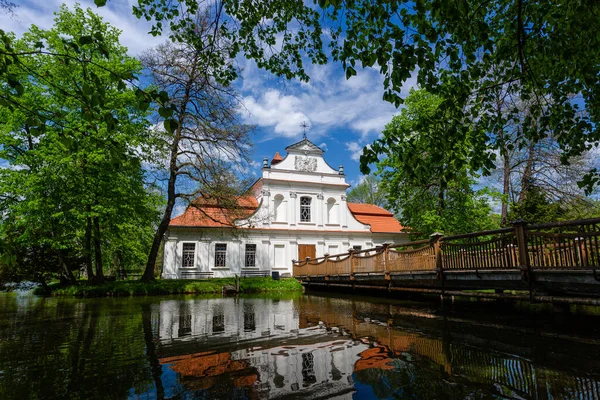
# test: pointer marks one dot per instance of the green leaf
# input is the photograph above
(100, 3)
(170, 125)
(165, 112)
(85, 40)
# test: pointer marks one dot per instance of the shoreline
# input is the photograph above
(172, 286)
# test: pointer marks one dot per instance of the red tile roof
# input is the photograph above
(207, 213)
(381, 221)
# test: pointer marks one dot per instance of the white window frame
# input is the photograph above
(183, 255)
(220, 254)
(308, 207)
(246, 254)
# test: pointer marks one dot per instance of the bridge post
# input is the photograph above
(524, 265)
(581, 251)
(435, 240)
(386, 260)
(351, 255)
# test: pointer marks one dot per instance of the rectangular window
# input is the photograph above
(357, 248)
(250, 258)
(249, 321)
(220, 255)
(218, 323)
(305, 209)
(189, 254)
(185, 325)
(332, 249)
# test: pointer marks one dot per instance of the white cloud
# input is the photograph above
(117, 12)
(278, 111)
(328, 101)
(355, 150)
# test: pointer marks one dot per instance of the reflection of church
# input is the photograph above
(297, 209)
(256, 343)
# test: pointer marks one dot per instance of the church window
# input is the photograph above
(305, 209)
(250, 256)
(189, 253)
(220, 255)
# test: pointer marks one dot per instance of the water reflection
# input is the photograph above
(298, 347)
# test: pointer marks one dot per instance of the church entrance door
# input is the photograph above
(306, 250)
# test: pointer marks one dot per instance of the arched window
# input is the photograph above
(332, 211)
(279, 208)
(305, 209)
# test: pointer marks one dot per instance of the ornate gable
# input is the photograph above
(305, 147)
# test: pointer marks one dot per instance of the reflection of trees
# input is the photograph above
(473, 353)
(71, 349)
(155, 366)
(410, 381)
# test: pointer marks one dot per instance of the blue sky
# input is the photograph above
(344, 115)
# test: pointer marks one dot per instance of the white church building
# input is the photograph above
(297, 209)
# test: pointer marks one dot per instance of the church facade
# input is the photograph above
(297, 209)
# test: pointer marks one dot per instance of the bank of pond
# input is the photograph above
(292, 345)
(172, 286)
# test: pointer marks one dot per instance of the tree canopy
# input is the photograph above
(462, 50)
(438, 196)
(368, 191)
(73, 191)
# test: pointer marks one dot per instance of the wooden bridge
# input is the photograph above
(555, 262)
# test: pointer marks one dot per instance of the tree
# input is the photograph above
(207, 143)
(523, 164)
(72, 187)
(461, 50)
(368, 191)
(425, 199)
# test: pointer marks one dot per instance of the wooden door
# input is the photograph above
(306, 250)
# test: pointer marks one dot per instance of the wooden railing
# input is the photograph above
(562, 245)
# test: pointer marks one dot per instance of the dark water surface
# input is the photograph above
(296, 346)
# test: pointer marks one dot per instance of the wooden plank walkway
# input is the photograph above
(557, 262)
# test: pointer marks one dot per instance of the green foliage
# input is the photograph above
(429, 190)
(369, 191)
(165, 287)
(463, 50)
(84, 166)
(539, 207)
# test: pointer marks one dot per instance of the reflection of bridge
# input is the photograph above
(557, 262)
(444, 345)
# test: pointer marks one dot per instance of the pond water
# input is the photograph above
(295, 346)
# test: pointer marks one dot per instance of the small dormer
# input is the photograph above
(276, 159)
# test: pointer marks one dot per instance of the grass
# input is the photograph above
(172, 286)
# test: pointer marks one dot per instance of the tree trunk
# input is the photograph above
(155, 367)
(527, 173)
(66, 270)
(166, 218)
(505, 187)
(87, 248)
(98, 251)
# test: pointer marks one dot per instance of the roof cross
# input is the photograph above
(304, 125)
